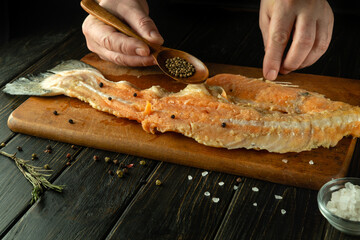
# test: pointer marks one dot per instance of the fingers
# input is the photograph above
(302, 44)
(143, 25)
(322, 42)
(264, 22)
(278, 36)
(114, 46)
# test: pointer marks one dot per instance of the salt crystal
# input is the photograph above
(190, 177)
(204, 173)
(221, 183)
(236, 187)
(254, 204)
(255, 189)
(311, 162)
(278, 197)
(207, 194)
(215, 200)
(284, 161)
(345, 202)
(283, 211)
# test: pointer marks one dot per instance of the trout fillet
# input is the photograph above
(228, 111)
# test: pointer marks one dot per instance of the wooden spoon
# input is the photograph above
(159, 52)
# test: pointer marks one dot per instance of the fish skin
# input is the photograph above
(228, 111)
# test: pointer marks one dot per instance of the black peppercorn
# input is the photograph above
(71, 121)
(101, 84)
(223, 124)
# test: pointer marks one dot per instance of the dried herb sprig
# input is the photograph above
(35, 175)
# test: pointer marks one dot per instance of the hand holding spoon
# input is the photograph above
(160, 53)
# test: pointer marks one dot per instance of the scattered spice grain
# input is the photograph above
(19, 148)
(110, 98)
(55, 113)
(190, 177)
(116, 162)
(221, 183)
(73, 147)
(96, 158)
(142, 162)
(34, 156)
(204, 173)
(68, 155)
(71, 121)
(2, 144)
(223, 125)
(119, 173)
(68, 163)
(207, 194)
(130, 165)
(47, 166)
(111, 172)
(107, 159)
(173, 116)
(125, 170)
(158, 182)
(48, 147)
(239, 180)
(135, 94)
(101, 84)
(215, 199)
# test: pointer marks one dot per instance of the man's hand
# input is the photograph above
(116, 47)
(310, 22)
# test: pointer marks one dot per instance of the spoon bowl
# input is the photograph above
(201, 72)
(160, 53)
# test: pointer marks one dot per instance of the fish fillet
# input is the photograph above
(228, 111)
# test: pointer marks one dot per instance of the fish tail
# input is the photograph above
(31, 84)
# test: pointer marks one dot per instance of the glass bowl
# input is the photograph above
(324, 195)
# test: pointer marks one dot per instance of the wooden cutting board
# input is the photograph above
(100, 130)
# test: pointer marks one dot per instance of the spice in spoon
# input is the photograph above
(179, 67)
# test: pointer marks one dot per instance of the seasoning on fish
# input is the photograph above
(179, 67)
(258, 114)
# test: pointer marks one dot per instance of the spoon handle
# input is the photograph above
(93, 8)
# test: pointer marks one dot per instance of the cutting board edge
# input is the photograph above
(266, 174)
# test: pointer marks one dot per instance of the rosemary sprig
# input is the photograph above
(35, 175)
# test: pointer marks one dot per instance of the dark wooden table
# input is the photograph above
(96, 205)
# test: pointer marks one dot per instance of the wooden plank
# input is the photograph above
(17, 55)
(243, 220)
(177, 209)
(35, 118)
(15, 190)
(91, 203)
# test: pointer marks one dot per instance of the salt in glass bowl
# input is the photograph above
(324, 195)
